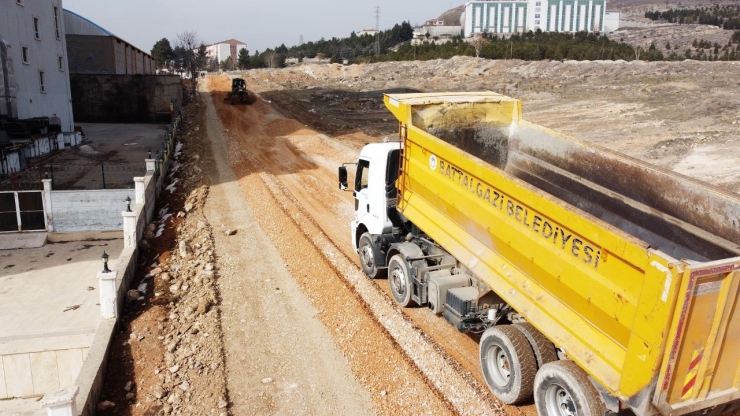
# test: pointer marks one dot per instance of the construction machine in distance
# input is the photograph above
(239, 92)
(598, 282)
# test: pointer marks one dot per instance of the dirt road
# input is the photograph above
(280, 358)
(410, 360)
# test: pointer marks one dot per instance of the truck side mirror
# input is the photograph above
(343, 178)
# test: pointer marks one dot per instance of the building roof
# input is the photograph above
(74, 24)
(230, 42)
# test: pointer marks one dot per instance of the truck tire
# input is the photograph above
(369, 255)
(399, 280)
(508, 363)
(544, 350)
(561, 388)
(233, 99)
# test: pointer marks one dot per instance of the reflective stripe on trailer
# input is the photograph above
(688, 385)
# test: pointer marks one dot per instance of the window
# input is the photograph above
(363, 173)
(41, 81)
(36, 27)
(537, 16)
(537, 22)
(56, 21)
(539, 3)
(24, 54)
(61, 63)
(537, 9)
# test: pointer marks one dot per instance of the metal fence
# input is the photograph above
(27, 180)
(167, 145)
(99, 175)
(105, 175)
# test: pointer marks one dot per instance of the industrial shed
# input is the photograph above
(94, 50)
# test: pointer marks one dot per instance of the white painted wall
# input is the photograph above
(89, 210)
(37, 373)
(611, 21)
(17, 29)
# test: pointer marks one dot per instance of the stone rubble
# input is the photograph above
(190, 378)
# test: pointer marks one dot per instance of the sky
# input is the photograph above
(260, 24)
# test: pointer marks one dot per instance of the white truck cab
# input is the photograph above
(375, 199)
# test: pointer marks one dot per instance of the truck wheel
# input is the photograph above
(399, 280)
(233, 99)
(368, 254)
(564, 389)
(508, 363)
(544, 350)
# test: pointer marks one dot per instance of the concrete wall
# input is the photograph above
(123, 98)
(17, 29)
(36, 373)
(99, 210)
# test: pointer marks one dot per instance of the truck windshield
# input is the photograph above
(363, 171)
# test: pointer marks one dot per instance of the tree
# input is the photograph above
(162, 52)
(243, 59)
(227, 64)
(272, 59)
(478, 43)
(202, 60)
(212, 64)
(188, 43)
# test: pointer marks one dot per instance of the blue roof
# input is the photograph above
(88, 21)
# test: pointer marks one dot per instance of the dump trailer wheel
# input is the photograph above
(508, 363)
(399, 280)
(561, 388)
(369, 254)
(544, 350)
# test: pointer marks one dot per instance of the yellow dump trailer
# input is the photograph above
(618, 276)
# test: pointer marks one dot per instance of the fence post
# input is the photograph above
(129, 229)
(139, 190)
(60, 402)
(108, 301)
(102, 169)
(47, 205)
(149, 165)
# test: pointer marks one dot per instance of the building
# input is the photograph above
(225, 49)
(370, 32)
(33, 61)
(94, 50)
(435, 33)
(512, 16)
(611, 22)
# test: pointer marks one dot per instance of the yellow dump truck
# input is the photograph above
(597, 282)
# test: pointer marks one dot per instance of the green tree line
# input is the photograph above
(726, 17)
(529, 46)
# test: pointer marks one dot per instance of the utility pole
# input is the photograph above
(300, 40)
(377, 29)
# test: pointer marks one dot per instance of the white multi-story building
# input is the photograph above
(223, 50)
(34, 80)
(512, 16)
